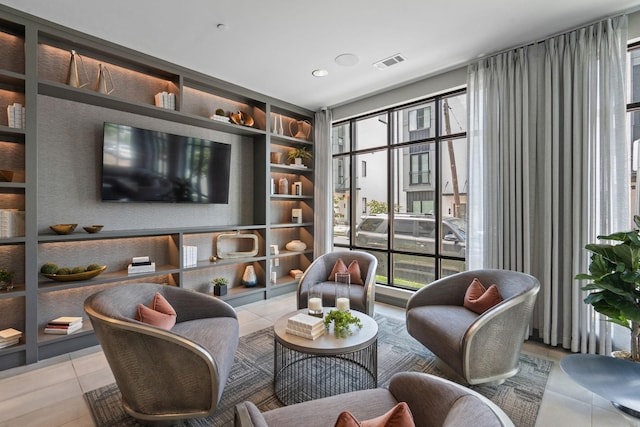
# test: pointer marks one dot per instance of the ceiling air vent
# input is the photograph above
(388, 62)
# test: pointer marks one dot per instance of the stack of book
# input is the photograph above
(9, 337)
(141, 264)
(11, 223)
(16, 116)
(306, 326)
(166, 100)
(63, 325)
(296, 274)
(189, 255)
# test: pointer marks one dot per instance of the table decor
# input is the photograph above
(6, 279)
(66, 275)
(63, 228)
(342, 321)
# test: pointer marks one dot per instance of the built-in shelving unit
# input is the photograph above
(34, 69)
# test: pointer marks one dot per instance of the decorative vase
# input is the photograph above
(249, 279)
(314, 300)
(283, 186)
(73, 79)
(296, 246)
(277, 125)
(6, 285)
(105, 82)
(219, 290)
(303, 129)
(276, 157)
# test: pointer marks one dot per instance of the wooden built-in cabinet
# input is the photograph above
(35, 63)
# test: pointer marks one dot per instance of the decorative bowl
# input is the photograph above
(296, 245)
(73, 277)
(93, 228)
(63, 228)
(241, 118)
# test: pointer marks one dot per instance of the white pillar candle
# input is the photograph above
(342, 304)
(315, 304)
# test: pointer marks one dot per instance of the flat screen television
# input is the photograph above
(141, 165)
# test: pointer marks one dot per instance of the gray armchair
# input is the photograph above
(480, 348)
(362, 297)
(166, 375)
(433, 401)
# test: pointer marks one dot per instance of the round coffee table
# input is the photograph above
(306, 369)
(614, 379)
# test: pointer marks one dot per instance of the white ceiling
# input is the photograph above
(271, 46)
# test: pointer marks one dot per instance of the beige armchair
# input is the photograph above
(480, 348)
(166, 375)
(362, 297)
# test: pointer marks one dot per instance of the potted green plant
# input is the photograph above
(219, 286)
(6, 279)
(342, 320)
(299, 156)
(614, 281)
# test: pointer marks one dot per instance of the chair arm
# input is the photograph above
(196, 305)
(316, 272)
(246, 414)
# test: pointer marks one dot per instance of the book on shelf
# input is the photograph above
(165, 100)
(138, 269)
(11, 223)
(62, 330)
(9, 343)
(296, 274)
(189, 255)
(9, 334)
(16, 116)
(66, 320)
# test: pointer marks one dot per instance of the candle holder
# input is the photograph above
(343, 282)
(314, 300)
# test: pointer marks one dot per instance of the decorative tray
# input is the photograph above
(73, 277)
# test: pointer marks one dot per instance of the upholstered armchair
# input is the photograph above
(166, 375)
(362, 297)
(433, 401)
(480, 348)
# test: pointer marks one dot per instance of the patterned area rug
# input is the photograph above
(252, 379)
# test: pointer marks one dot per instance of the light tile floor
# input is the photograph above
(50, 393)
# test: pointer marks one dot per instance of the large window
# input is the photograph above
(633, 120)
(400, 183)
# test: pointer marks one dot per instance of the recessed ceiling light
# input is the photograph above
(320, 72)
(346, 59)
(222, 27)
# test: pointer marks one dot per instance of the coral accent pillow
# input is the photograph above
(478, 299)
(159, 313)
(353, 270)
(398, 416)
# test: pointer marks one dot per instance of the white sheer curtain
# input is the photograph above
(323, 191)
(549, 168)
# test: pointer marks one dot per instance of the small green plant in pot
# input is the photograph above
(299, 156)
(342, 320)
(219, 286)
(6, 279)
(614, 281)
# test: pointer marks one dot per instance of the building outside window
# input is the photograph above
(410, 213)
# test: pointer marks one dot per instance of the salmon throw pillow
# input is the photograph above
(159, 313)
(353, 270)
(398, 416)
(478, 299)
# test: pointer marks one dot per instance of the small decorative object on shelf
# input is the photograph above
(242, 118)
(276, 157)
(277, 125)
(93, 228)
(296, 216)
(51, 271)
(274, 277)
(283, 186)
(9, 337)
(166, 100)
(302, 129)
(297, 188)
(141, 264)
(11, 223)
(6, 279)
(220, 116)
(342, 321)
(249, 279)
(16, 117)
(299, 156)
(314, 300)
(73, 79)
(63, 325)
(295, 273)
(219, 286)
(105, 82)
(63, 228)
(296, 246)
(226, 252)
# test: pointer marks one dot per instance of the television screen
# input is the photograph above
(140, 165)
